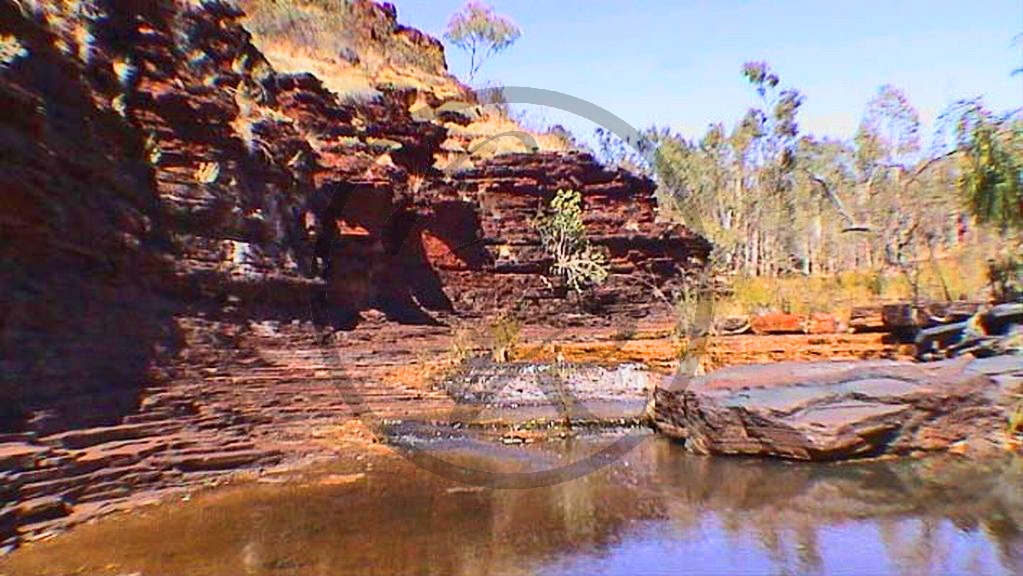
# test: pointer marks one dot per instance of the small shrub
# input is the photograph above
(563, 237)
(207, 173)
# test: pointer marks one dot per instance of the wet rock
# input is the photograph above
(840, 410)
(341, 479)
(220, 460)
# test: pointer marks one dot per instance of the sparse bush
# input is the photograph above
(207, 173)
(563, 237)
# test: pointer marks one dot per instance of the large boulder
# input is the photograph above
(840, 410)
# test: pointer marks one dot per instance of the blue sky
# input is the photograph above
(677, 63)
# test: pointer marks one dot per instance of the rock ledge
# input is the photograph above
(842, 410)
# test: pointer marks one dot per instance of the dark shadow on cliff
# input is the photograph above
(82, 320)
(371, 257)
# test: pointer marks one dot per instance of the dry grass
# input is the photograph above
(493, 122)
(963, 275)
(351, 56)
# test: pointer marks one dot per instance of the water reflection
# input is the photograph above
(657, 511)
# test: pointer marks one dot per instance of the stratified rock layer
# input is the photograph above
(184, 227)
(839, 410)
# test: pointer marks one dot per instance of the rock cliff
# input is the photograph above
(173, 204)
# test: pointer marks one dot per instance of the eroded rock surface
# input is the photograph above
(839, 410)
(176, 208)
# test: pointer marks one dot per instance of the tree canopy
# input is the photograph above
(775, 200)
(481, 32)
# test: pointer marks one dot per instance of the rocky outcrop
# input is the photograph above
(501, 265)
(840, 410)
(158, 167)
(169, 194)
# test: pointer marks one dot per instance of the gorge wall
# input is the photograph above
(182, 220)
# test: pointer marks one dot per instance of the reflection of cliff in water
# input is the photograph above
(915, 506)
(912, 517)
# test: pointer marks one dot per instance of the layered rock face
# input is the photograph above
(158, 167)
(839, 410)
(178, 214)
(507, 193)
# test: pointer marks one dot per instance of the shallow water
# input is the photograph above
(657, 511)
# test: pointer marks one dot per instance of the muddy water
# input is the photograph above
(658, 511)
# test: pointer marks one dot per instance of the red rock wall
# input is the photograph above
(131, 274)
(118, 111)
(508, 191)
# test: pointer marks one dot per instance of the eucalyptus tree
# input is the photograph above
(769, 134)
(991, 164)
(481, 32)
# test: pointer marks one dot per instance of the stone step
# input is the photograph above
(20, 455)
(77, 439)
(74, 484)
(223, 460)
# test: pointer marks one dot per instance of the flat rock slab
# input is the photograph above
(840, 410)
(77, 439)
(18, 455)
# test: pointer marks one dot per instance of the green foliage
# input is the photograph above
(743, 182)
(991, 165)
(563, 237)
(481, 32)
(780, 203)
